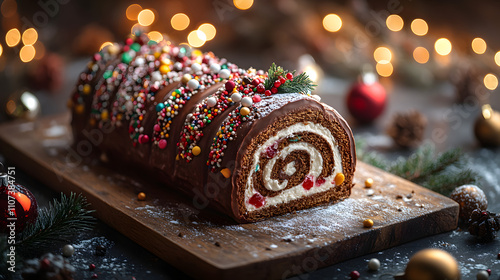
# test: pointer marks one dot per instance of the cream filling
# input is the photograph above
(316, 162)
(290, 168)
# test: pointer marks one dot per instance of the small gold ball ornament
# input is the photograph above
(487, 127)
(22, 105)
(431, 264)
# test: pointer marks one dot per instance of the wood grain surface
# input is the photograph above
(205, 244)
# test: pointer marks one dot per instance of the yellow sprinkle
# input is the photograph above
(115, 74)
(157, 54)
(226, 172)
(186, 78)
(79, 108)
(165, 61)
(104, 115)
(119, 117)
(177, 157)
(141, 196)
(176, 106)
(339, 179)
(164, 69)
(244, 111)
(166, 49)
(86, 89)
(369, 182)
(368, 223)
(196, 150)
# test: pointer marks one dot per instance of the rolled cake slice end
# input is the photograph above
(303, 158)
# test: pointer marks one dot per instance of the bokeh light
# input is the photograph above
(419, 27)
(497, 58)
(155, 36)
(39, 50)
(137, 28)
(30, 36)
(478, 45)
(27, 53)
(105, 44)
(209, 30)
(180, 21)
(382, 55)
(384, 69)
(243, 4)
(332, 22)
(394, 23)
(146, 17)
(196, 38)
(443, 46)
(133, 11)
(9, 8)
(13, 37)
(1, 49)
(490, 81)
(421, 55)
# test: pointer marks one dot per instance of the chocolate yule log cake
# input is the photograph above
(249, 143)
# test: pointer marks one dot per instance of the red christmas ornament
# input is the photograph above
(366, 99)
(18, 206)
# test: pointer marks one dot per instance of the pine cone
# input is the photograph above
(484, 225)
(48, 267)
(407, 129)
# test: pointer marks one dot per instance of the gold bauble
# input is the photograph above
(431, 264)
(487, 127)
(22, 105)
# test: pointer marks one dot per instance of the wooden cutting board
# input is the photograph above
(206, 245)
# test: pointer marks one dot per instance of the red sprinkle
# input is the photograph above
(277, 84)
(268, 93)
(256, 98)
(230, 86)
(489, 271)
(260, 88)
(97, 57)
(257, 200)
(129, 41)
(94, 276)
(308, 183)
(274, 90)
(143, 139)
(91, 266)
(162, 144)
(289, 76)
(320, 181)
(355, 275)
(157, 128)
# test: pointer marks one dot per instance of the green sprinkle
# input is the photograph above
(107, 74)
(257, 167)
(126, 58)
(136, 47)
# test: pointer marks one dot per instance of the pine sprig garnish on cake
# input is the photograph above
(280, 80)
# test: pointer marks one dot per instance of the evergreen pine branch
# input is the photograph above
(446, 183)
(59, 221)
(299, 84)
(441, 173)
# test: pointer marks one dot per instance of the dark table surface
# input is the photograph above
(125, 260)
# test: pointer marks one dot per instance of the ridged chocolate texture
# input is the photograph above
(158, 123)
